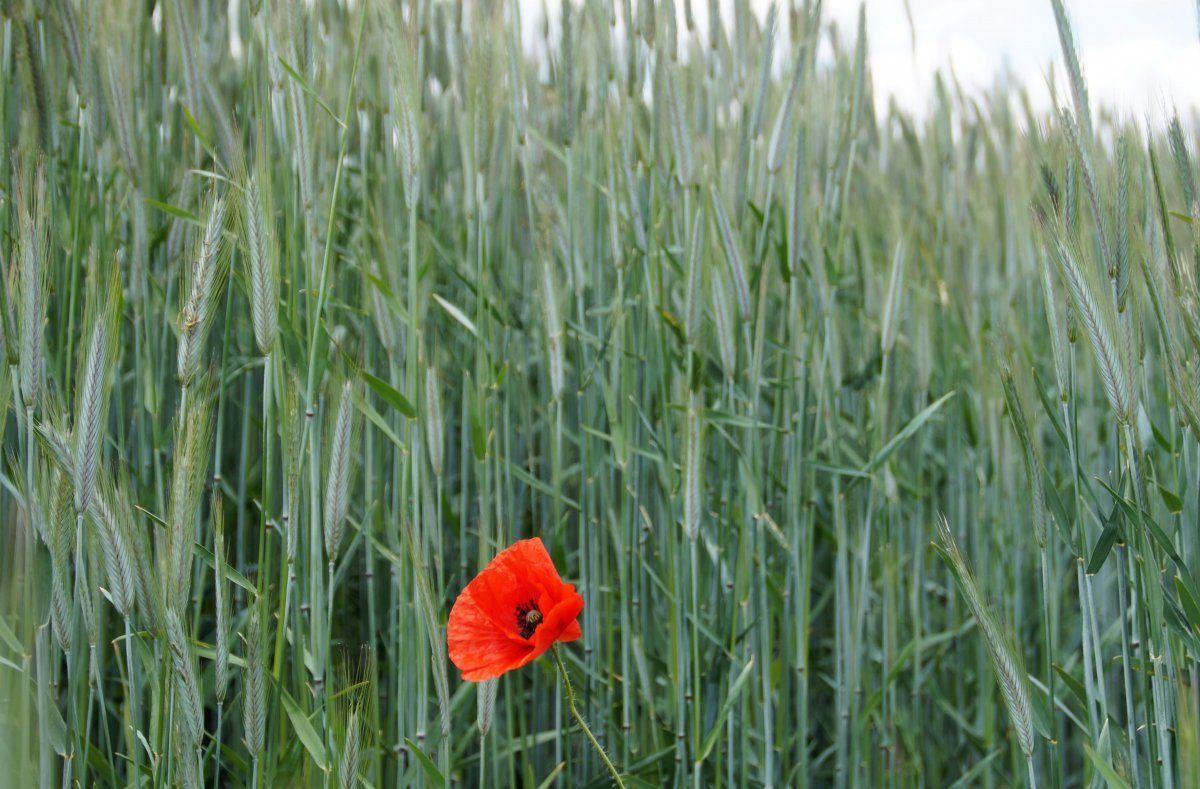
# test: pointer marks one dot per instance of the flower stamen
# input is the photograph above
(529, 616)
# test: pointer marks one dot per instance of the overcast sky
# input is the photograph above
(1138, 55)
(1141, 56)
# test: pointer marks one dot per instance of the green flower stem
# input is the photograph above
(562, 670)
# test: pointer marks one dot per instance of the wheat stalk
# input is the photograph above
(263, 274)
(693, 470)
(293, 454)
(1010, 673)
(202, 288)
(337, 486)
(220, 602)
(434, 440)
(724, 326)
(781, 132)
(1074, 70)
(693, 315)
(122, 115)
(187, 689)
(60, 524)
(1033, 461)
(94, 380)
(485, 699)
(681, 136)
(113, 517)
(193, 439)
(733, 254)
(1096, 321)
(891, 307)
(33, 248)
(348, 769)
(406, 101)
(254, 686)
(554, 329)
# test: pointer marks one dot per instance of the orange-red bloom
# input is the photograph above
(511, 613)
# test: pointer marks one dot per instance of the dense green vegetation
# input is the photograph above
(872, 442)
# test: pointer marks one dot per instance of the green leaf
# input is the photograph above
(1075, 686)
(1105, 769)
(309, 91)
(538, 484)
(549, 779)
(476, 416)
(1153, 529)
(230, 573)
(1177, 620)
(431, 770)
(303, 726)
(906, 433)
(9, 637)
(190, 120)
(971, 776)
(1161, 439)
(457, 314)
(970, 421)
(1050, 407)
(673, 324)
(1188, 603)
(1043, 718)
(174, 211)
(56, 727)
(1162, 539)
(377, 420)
(717, 416)
(1055, 505)
(719, 722)
(390, 394)
(381, 286)
(1173, 502)
(100, 765)
(1108, 538)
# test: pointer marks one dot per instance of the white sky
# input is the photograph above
(1139, 56)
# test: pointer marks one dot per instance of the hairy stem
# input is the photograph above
(562, 671)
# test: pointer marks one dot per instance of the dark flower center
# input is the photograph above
(529, 616)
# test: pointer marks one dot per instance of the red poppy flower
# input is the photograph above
(511, 613)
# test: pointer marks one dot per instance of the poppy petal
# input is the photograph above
(484, 632)
(572, 632)
(558, 621)
(518, 574)
(478, 647)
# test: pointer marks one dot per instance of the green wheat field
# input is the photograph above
(871, 441)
